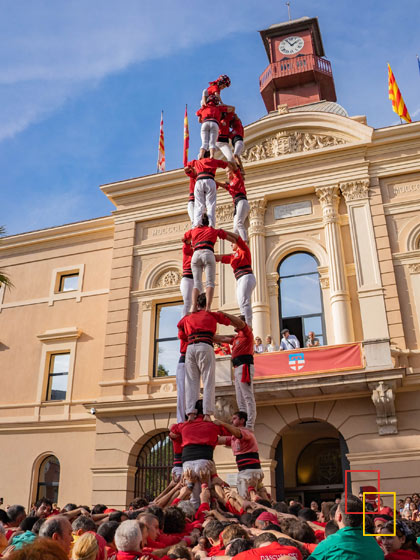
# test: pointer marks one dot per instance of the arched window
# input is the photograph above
(320, 463)
(48, 479)
(154, 465)
(300, 301)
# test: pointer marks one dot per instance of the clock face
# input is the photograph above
(291, 45)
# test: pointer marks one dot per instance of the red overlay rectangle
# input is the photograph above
(302, 361)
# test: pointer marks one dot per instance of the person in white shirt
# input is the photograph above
(270, 346)
(289, 341)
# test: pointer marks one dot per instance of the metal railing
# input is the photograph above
(290, 66)
(154, 465)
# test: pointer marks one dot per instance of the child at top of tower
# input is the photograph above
(214, 88)
(209, 116)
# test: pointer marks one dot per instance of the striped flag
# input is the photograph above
(186, 137)
(161, 151)
(395, 96)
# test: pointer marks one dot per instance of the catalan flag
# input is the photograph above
(186, 137)
(161, 151)
(395, 96)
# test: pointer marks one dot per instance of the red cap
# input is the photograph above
(109, 510)
(267, 516)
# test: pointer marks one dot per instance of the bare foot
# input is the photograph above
(191, 417)
(206, 418)
(194, 309)
(208, 308)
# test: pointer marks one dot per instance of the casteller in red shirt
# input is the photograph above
(236, 186)
(272, 551)
(208, 166)
(204, 237)
(243, 342)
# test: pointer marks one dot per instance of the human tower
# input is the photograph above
(196, 435)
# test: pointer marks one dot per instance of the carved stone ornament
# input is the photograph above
(414, 268)
(329, 197)
(383, 398)
(257, 209)
(224, 213)
(168, 279)
(283, 109)
(355, 190)
(146, 305)
(325, 282)
(289, 142)
(224, 409)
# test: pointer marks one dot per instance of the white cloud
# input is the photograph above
(51, 51)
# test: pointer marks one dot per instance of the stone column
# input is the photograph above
(329, 198)
(256, 233)
(414, 270)
(273, 298)
(369, 284)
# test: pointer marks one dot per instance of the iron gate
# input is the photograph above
(154, 465)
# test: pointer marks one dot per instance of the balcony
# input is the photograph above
(294, 66)
(355, 368)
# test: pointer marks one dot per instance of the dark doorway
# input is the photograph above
(294, 324)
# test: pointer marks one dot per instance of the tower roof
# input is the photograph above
(294, 26)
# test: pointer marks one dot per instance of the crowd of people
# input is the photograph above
(198, 515)
(217, 523)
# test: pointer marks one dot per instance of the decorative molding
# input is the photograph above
(146, 305)
(283, 109)
(329, 197)
(257, 209)
(289, 142)
(414, 268)
(325, 282)
(383, 398)
(224, 213)
(67, 333)
(355, 190)
(169, 278)
(272, 283)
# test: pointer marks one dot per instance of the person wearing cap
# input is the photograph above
(289, 341)
(266, 519)
(245, 448)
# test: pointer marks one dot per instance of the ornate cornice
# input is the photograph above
(289, 142)
(224, 213)
(355, 190)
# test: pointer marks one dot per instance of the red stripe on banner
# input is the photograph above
(303, 361)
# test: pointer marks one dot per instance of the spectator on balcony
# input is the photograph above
(289, 341)
(270, 346)
(259, 347)
(311, 340)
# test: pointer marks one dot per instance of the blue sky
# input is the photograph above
(82, 84)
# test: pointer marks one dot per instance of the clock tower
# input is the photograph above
(297, 73)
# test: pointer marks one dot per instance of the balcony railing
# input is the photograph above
(296, 65)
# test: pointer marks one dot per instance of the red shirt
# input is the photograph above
(176, 443)
(201, 321)
(241, 257)
(243, 343)
(207, 165)
(213, 89)
(402, 555)
(386, 511)
(211, 112)
(198, 432)
(204, 237)
(187, 253)
(272, 551)
(224, 126)
(237, 128)
(217, 550)
(237, 185)
(246, 444)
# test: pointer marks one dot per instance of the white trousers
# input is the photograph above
(241, 214)
(200, 469)
(239, 147)
(245, 285)
(203, 259)
(200, 362)
(209, 134)
(226, 150)
(247, 478)
(245, 395)
(205, 199)
(191, 210)
(180, 392)
(186, 286)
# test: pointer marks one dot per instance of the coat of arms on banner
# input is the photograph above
(297, 361)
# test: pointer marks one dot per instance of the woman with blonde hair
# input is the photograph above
(88, 547)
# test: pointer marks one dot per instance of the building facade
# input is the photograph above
(88, 334)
